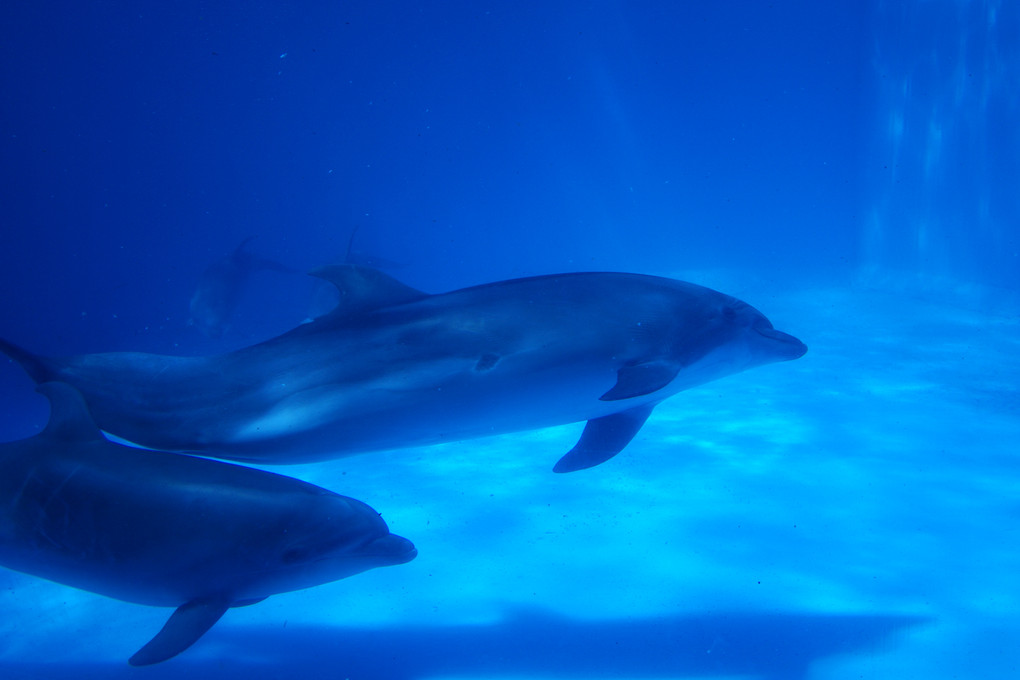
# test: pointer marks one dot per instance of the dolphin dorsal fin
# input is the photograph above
(363, 289)
(69, 416)
(241, 251)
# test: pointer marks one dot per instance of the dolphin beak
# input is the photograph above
(785, 345)
(394, 549)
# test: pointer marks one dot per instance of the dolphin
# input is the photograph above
(173, 531)
(219, 289)
(324, 295)
(391, 366)
(363, 258)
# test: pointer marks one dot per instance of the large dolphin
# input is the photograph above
(173, 531)
(392, 366)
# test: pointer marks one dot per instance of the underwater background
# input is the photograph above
(851, 169)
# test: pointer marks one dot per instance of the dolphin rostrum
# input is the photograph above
(174, 531)
(392, 366)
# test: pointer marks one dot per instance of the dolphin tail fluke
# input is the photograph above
(35, 366)
(603, 438)
(69, 416)
(185, 626)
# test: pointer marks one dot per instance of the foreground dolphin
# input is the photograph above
(391, 366)
(173, 531)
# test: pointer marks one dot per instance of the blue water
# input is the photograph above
(851, 169)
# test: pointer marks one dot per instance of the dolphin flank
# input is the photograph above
(392, 366)
(173, 531)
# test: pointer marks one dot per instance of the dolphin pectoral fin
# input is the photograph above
(363, 289)
(603, 438)
(641, 379)
(184, 627)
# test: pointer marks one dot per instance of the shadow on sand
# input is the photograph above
(526, 643)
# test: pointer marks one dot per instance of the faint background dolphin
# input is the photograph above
(173, 531)
(219, 290)
(366, 258)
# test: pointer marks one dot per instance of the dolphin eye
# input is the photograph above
(729, 313)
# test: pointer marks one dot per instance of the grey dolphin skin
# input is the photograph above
(392, 366)
(173, 531)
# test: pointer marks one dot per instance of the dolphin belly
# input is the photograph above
(415, 409)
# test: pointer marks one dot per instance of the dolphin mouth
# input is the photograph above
(395, 549)
(789, 347)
